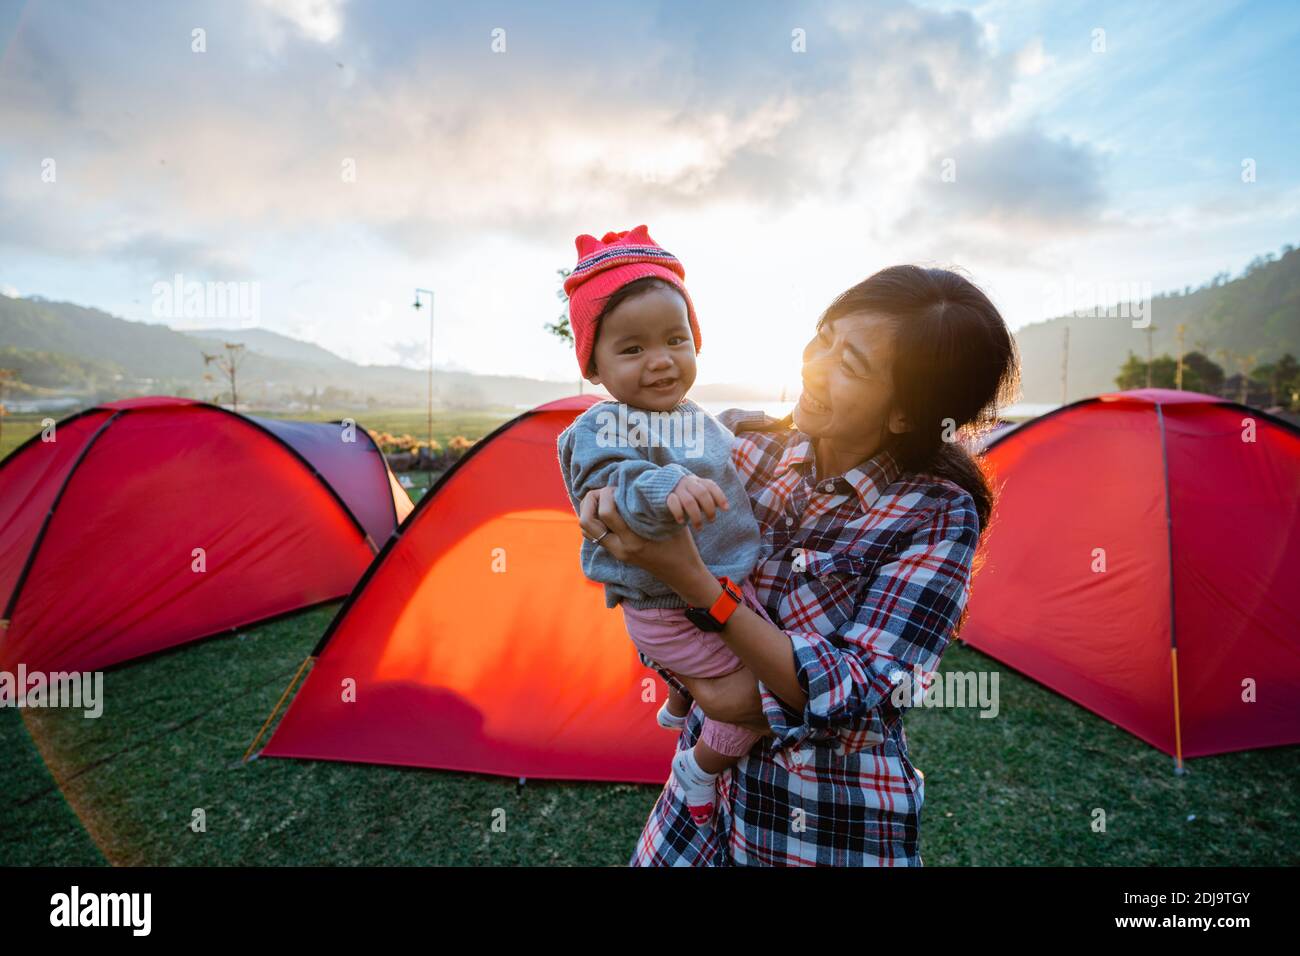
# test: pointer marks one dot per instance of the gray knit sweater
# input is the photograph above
(643, 455)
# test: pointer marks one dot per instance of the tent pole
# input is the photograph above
(280, 703)
(1178, 728)
(1173, 633)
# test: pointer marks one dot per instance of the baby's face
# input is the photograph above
(645, 355)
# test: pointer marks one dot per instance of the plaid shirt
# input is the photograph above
(868, 577)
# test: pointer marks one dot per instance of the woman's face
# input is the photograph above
(848, 388)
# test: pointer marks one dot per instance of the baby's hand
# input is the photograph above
(696, 498)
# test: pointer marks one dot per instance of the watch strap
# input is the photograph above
(727, 601)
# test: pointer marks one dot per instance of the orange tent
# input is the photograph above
(475, 643)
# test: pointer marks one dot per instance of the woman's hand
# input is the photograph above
(732, 698)
(674, 560)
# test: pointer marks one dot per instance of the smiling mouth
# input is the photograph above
(810, 403)
(662, 383)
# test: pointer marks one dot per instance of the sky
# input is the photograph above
(332, 156)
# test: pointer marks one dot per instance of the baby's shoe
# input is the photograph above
(701, 814)
(668, 720)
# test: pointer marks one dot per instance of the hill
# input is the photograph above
(98, 356)
(271, 344)
(132, 349)
(57, 346)
(1249, 320)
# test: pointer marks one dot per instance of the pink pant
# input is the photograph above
(667, 637)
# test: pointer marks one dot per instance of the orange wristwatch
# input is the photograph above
(715, 618)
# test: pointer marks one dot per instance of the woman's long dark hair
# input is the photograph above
(955, 363)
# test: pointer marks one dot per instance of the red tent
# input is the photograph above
(475, 643)
(139, 525)
(1144, 561)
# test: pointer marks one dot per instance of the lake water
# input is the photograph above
(774, 409)
(1016, 412)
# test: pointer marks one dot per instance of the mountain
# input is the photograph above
(268, 343)
(47, 373)
(130, 349)
(58, 346)
(1249, 320)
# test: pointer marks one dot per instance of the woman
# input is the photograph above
(874, 510)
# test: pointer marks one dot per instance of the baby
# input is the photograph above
(669, 462)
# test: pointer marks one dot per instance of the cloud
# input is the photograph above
(169, 254)
(450, 141)
(43, 73)
(318, 20)
(62, 225)
(1031, 59)
(1020, 180)
(412, 354)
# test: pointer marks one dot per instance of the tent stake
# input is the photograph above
(1178, 721)
(280, 703)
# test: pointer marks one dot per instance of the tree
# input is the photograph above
(1132, 374)
(1238, 386)
(1200, 374)
(560, 327)
(1279, 380)
(1263, 378)
(1288, 382)
(1164, 371)
(228, 363)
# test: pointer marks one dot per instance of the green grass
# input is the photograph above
(170, 740)
(18, 428)
(421, 482)
(415, 422)
(1018, 789)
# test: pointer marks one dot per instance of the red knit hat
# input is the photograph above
(605, 266)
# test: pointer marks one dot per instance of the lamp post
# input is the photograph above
(416, 305)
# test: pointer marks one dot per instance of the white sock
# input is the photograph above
(668, 720)
(699, 784)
